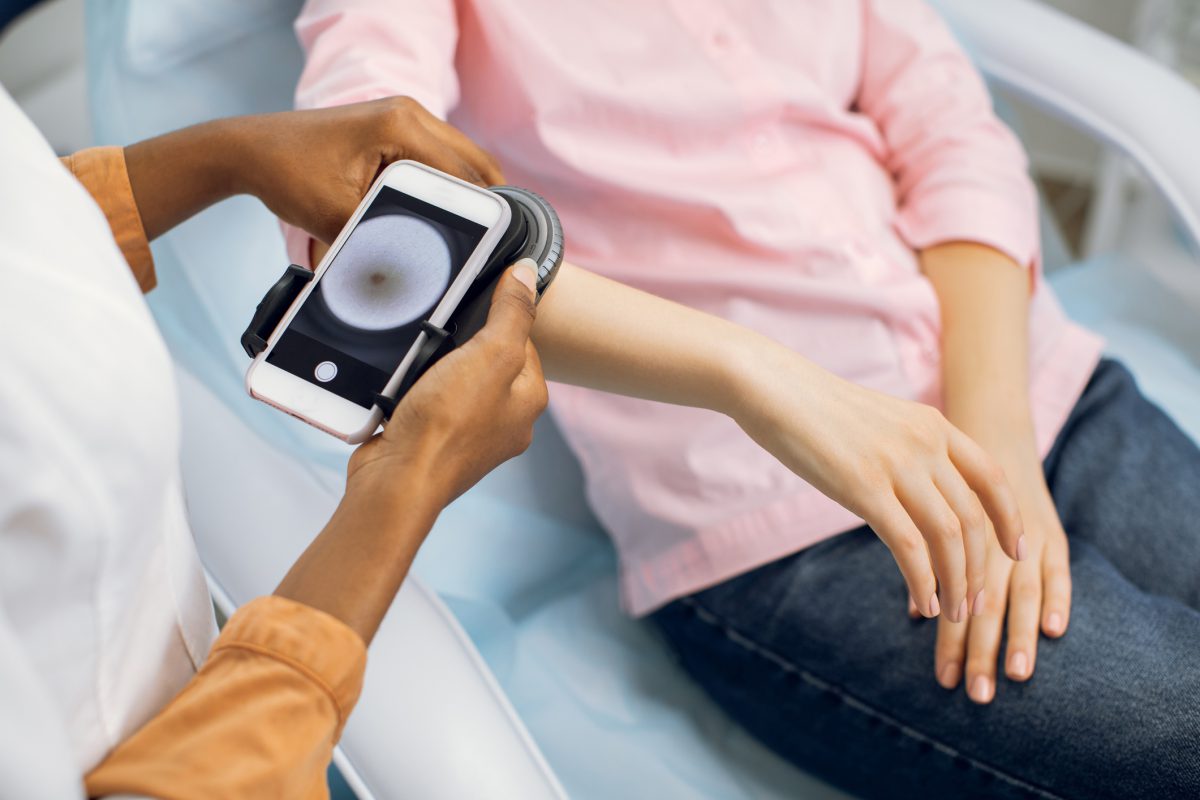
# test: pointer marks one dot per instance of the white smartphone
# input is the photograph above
(409, 253)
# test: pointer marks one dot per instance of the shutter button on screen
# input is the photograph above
(325, 371)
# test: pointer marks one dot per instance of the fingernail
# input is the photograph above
(977, 604)
(1018, 665)
(1054, 623)
(935, 607)
(962, 611)
(1021, 549)
(981, 689)
(948, 677)
(526, 272)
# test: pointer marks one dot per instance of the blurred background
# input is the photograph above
(1099, 202)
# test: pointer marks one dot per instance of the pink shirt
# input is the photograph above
(776, 167)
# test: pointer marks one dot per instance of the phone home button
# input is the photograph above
(325, 371)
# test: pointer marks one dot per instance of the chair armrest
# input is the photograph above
(1094, 82)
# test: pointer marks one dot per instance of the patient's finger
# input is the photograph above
(950, 651)
(943, 533)
(983, 638)
(975, 531)
(990, 485)
(1056, 586)
(896, 529)
(1024, 609)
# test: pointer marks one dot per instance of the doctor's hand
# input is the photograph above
(470, 412)
(473, 410)
(311, 168)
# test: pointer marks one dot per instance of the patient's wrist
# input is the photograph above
(756, 373)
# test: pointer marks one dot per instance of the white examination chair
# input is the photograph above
(505, 669)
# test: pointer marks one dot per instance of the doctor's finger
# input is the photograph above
(510, 318)
(473, 154)
(421, 144)
(529, 388)
(533, 365)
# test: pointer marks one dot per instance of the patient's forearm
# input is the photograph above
(598, 333)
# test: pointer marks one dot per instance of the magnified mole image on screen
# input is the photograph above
(365, 311)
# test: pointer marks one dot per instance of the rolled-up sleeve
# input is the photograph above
(358, 50)
(102, 172)
(960, 173)
(260, 718)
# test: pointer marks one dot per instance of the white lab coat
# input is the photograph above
(104, 613)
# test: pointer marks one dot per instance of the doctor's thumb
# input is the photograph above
(514, 303)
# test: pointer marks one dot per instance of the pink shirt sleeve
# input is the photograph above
(960, 173)
(360, 50)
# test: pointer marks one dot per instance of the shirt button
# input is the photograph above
(721, 39)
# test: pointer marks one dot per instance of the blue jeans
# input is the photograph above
(815, 655)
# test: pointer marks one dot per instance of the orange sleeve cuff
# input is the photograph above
(102, 172)
(260, 718)
(318, 645)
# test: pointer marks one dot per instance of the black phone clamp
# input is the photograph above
(534, 232)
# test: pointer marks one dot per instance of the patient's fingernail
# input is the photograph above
(526, 272)
(962, 611)
(977, 604)
(981, 689)
(1054, 623)
(1021, 549)
(935, 607)
(1018, 665)
(948, 677)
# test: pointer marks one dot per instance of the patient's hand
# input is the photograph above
(1032, 594)
(926, 489)
(472, 411)
(312, 168)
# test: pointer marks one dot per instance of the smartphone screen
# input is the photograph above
(365, 312)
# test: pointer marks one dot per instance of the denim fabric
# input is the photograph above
(815, 655)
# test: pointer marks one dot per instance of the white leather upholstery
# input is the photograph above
(1093, 81)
